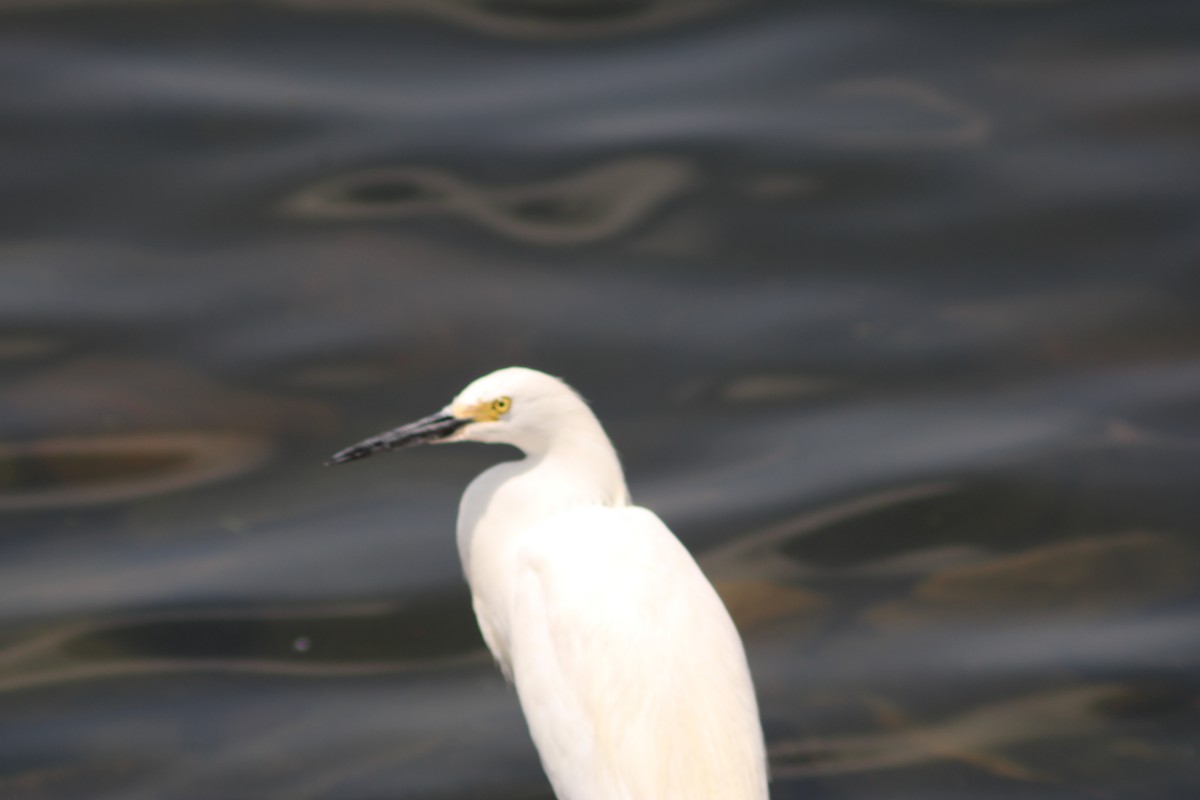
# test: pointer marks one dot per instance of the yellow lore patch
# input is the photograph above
(483, 412)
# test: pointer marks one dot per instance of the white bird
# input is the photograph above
(630, 672)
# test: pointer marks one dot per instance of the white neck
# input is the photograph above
(510, 499)
(578, 467)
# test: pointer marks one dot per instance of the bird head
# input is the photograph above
(516, 405)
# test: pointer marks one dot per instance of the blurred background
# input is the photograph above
(892, 309)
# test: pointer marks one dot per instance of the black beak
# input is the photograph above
(432, 429)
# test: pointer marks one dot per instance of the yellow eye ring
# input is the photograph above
(501, 405)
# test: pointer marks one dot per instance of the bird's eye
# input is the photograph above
(501, 405)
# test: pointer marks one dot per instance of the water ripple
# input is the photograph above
(588, 206)
(972, 736)
(66, 472)
(323, 641)
(1089, 576)
(537, 18)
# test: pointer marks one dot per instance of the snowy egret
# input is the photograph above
(628, 667)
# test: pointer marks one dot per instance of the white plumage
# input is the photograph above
(630, 672)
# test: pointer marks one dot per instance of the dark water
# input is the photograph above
(893, 310)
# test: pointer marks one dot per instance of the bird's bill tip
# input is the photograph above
(352, 453)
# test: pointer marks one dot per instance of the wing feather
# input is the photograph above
(630, 672)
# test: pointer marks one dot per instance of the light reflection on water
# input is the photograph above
(890, 309)
(595, 205)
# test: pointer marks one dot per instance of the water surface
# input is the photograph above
(892, 310)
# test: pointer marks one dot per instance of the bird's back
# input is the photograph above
(629, 669)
